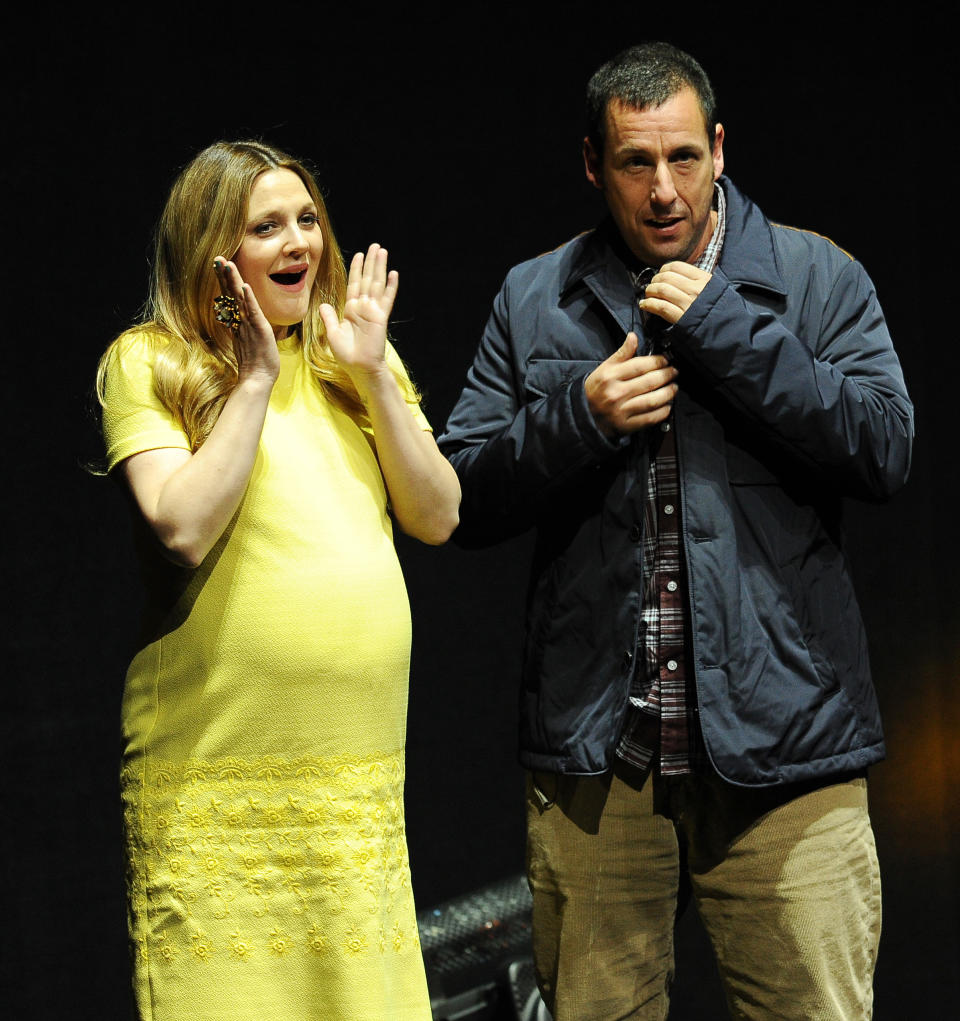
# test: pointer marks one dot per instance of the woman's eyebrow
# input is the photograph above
(276, 214)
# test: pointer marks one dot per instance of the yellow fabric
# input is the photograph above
(264, 725)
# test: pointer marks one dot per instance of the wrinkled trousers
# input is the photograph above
(785, 879)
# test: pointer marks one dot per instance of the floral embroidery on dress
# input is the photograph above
(240, 946)
(297, 844)
(202, 946)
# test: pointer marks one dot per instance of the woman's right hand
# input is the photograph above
(255, 342)
(189, 498)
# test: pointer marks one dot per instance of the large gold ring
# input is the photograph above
(227, 311)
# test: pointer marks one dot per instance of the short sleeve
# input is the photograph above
(134, 420)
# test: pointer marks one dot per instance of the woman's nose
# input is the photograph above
(294, 240)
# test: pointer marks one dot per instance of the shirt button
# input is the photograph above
(668, 509)
(671, 586)
(671, 664)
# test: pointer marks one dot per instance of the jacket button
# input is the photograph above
(635, 533)
(627, 658)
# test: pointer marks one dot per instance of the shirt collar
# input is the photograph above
(711, 254)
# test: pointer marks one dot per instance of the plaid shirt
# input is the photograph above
(662, 700)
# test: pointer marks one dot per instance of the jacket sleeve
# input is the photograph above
(520, 431)
(831, 395)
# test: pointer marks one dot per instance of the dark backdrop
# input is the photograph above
(453, 138)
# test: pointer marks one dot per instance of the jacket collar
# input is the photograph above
(749, 255)
(598, 258)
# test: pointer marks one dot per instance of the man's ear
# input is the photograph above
(593, 164)
(718, 152)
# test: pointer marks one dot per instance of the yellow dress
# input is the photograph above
(264, 722)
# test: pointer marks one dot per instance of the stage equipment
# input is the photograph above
(478, 957)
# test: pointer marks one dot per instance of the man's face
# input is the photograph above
(656, 173)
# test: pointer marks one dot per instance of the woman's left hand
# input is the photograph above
(359, 339)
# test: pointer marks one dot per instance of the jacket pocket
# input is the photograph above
(545, 375)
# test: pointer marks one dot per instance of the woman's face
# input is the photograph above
(281, 248)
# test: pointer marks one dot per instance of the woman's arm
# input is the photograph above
(188, 499)
(423, 487)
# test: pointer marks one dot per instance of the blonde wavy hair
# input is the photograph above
(195, 367)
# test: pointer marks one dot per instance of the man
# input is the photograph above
(677, 401)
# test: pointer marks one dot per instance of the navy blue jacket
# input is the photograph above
(791, 397)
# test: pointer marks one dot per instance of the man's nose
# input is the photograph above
(663, 191)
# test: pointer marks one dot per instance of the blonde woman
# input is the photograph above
(265, 427)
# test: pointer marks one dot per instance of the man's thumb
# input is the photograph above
(627, 349)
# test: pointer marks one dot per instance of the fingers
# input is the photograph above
(623, 391)
(629, 393)
(673, 290)
(390, 290)
(684, 269)
(252, 337)
(234, 286)
(230, 308)
(640, 408)
(626, 350)
(368, 273)
(647, 408)
(377, 283)
(669, 310)
(228, 277)
(374, 271)
(626, 411)
(624, 363)
(328, 316)
(355, 276)
(667, 291)
(369, 279)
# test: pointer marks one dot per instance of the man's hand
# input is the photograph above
(673, 290)
(627, 393)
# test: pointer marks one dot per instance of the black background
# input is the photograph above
(453, 138)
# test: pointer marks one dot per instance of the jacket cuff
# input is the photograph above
(598, 443)
(704, 303)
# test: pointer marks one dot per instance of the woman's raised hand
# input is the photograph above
(256, 342)
(358, 340)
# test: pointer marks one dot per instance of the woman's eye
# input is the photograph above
(308, 219)
(263, 228)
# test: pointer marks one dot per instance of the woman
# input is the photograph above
(263, 425)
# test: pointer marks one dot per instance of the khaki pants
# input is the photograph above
(785, 879)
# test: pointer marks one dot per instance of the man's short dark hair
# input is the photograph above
(645, 76)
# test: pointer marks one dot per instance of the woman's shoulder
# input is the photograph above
(127, 366)
(135, 353)
(141, 342)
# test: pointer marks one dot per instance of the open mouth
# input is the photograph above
(288, 279)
